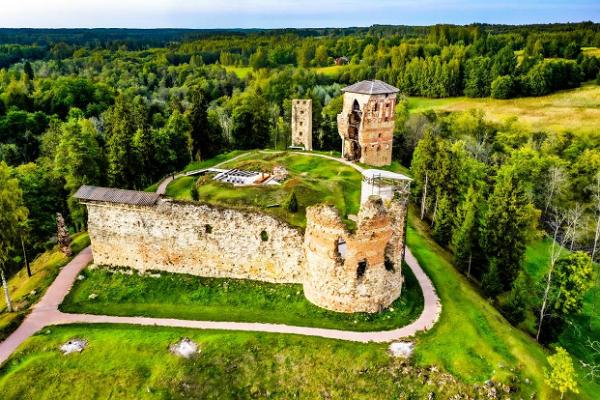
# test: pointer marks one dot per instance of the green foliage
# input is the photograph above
(502, 87)
(194, 192)
(561, 376)
(573, 277)
(264, 236)
(14, 213)
(478, 77)
(465, 238)
(514, 307)
(291, 203)
(507, 225)
(444, 221)
(491, 283)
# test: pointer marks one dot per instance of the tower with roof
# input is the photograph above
(366, 123)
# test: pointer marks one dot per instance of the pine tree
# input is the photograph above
(491, 284)
(465, 240)
(444, 221)
(292, 203)
(507, 225)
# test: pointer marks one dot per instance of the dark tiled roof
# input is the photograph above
(111, 195)
(371, 87)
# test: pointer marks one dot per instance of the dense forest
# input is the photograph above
(123, 108)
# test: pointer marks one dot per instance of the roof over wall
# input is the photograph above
(111, 195)
(371, 87)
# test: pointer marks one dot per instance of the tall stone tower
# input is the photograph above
(366, 123)
(302, 123)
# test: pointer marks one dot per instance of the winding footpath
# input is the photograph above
(46, 312)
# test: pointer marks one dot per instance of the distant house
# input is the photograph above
(341, 60)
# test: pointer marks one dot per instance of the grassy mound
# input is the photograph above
(313, 179)
(217, 299)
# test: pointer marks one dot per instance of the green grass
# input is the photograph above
(331, 71)
(241, 72)
(25, 291)
(217, 299)
(591, 51)
(127, 362)
(553, 112)
(472, 340)
(314, 180)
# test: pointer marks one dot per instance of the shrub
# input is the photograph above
(264, 236)
(291, 203)
(490, 283)
(503, 87)
(195, 194)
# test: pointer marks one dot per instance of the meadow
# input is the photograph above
(575, 110)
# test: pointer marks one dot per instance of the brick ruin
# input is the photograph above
(366, 123)
(340, 270)
(302, 123)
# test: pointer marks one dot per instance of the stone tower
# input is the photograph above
(302, 123)
(366, 123)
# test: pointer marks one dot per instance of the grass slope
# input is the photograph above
(313, 179)
(126, 362)
(553, 112)
(191, 297)
(25, 291)
(472, 340)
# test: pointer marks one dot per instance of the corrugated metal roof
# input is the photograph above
(111, 195)
(371, 87)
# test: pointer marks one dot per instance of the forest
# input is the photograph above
(123, 108)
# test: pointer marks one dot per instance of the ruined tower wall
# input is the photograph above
(195, 239)
(361, 279)
(376, 128)
(302, 123)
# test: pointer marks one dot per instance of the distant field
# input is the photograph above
(591, 51)
(576, 110)
(241, 72)
(332, 70)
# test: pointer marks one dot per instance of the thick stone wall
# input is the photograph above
(361, 271)
(196, 239)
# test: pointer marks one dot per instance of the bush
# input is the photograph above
(195, 194)
(516, 304)
(503, 87)
(264, 236)
(291, 204)
(490, 283)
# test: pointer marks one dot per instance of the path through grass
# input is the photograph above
(221, 299)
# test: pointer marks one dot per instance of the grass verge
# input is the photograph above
(218, 299)
(25, 291)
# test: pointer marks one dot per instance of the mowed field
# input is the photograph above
(576, 110)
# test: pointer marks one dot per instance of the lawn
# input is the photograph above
(25, 291)
(127, 362)
(217, 299)
(472, 340)
(591, 51)
(313, 179)
(331, 71)
(553, 112)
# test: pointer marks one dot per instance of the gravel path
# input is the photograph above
(46, 313)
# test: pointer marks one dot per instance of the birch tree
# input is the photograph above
(12, 215)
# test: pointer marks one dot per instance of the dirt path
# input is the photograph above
(46, 313)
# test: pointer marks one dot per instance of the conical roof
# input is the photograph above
(371, 87)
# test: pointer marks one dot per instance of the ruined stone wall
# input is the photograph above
(302, 123)
(365, 273)
(195, 239)
(376, 128)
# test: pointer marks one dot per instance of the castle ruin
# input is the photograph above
(341, 270)
(302, 123)
(366, 123)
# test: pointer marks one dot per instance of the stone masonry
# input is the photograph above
(302, 123)
(340, 270)
(366, 123)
